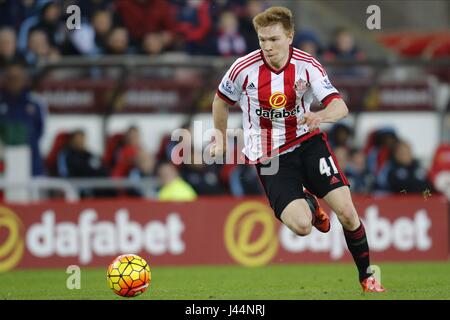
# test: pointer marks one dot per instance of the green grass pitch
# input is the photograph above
(307, 281)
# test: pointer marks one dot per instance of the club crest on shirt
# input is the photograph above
(301, 86)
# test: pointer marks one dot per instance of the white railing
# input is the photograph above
(37, 188)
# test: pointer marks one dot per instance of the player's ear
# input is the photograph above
(290, 36)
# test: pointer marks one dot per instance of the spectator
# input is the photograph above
(152, 43)
(166, 144)
(379, 149)
(252, 8)
(356, 172)
(18, 106)
(340, 135)
(243, 180)
(205, 179)
(344, 47)
(173, 187)
(404, 173)
(13, 13)
(142, 17)
(8, 51)
(342, 156)
(91, 7)
(117, 41)
(307, 41)
(195, 26)
(39, 48)
(77, 161)
(229, 41)
(133, 160)
(91, 39)
(48, 21)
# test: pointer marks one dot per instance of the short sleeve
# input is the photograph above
(321, 85)
(229, 89)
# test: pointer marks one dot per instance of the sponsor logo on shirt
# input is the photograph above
(277, 100)
(276, 114)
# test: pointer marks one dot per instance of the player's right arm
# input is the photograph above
(220, 117)
(228, 93)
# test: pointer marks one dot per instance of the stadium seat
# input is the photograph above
(414, 44)
(113, 143)
(394, 40)
(441, 162)
(59, 143)
(163, 150)
(442, 49)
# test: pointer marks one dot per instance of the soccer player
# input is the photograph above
(275, 86)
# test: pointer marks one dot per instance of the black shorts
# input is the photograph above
(312, 166)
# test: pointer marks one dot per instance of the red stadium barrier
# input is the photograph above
(210, 231)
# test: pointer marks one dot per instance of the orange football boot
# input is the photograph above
(371, 284)
(321, 221)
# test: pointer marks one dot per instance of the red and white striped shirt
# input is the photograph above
(273, 100)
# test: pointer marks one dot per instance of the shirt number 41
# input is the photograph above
(324, 168)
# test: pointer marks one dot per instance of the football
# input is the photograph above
(129, 275)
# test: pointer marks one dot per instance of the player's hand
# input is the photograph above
(312, 120)
(217, 150)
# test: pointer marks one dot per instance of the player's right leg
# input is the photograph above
(285, 193)
(297, 217)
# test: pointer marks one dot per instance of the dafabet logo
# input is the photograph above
(277, 100)
(12, 243)
(250, 234)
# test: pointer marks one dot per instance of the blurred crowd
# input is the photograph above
(384, 164)
(35, 30)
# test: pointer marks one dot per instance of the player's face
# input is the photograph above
(275, 42)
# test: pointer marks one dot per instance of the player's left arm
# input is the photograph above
(321, 87)
(335, 111)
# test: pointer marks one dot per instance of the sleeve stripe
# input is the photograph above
(326, 101)
(243, 67)
(311, 62)
(225, 98)
(240, 63)
(307, 56)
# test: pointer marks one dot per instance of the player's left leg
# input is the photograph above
(341, 203)
(325, 179)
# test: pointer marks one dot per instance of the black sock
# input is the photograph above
(359, 248)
